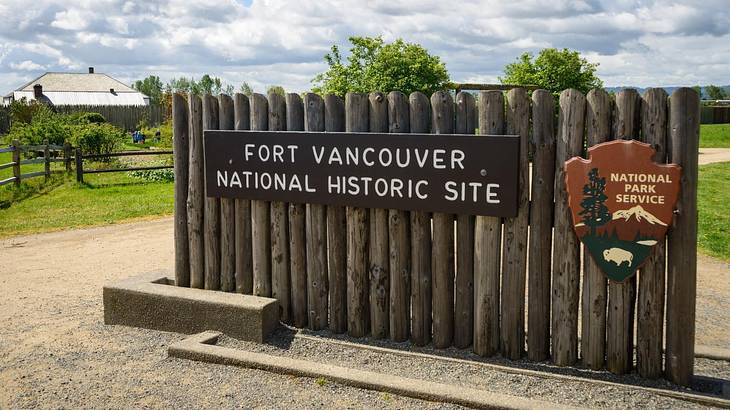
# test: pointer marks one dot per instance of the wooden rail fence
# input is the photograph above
(50, 152)
(453, 280)
(80, 157)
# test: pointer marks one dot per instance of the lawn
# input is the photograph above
(715, 136)
(62, 203)
(714, 220)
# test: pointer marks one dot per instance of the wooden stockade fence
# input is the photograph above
(126, 117)
(453, 280)
(715, 114)
(50, 155)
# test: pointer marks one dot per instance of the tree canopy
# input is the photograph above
(715, 92)
(151, 86)
(553, 70)
(373, 65)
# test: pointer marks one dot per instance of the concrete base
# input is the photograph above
(150, 301)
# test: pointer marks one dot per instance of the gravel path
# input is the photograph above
(55, 351)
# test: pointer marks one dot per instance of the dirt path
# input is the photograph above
(56, 352)
(712, 155)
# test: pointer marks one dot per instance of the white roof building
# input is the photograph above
(78, 89)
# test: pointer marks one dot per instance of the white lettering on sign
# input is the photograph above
(637, 184)
(385, 157)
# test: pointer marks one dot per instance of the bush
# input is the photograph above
(97, 138)
(165, 134)
(154, 175)
(83, 118)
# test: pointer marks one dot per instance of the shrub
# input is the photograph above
(82, 118)
(97, 138)
(154, 175)
(165, 134)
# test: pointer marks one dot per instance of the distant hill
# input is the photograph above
(669, 89)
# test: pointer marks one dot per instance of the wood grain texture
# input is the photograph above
(421, 306)
(280, 280)
(487, 244)
(297, 228)
(622, 296)
(599, 108)
(196, 193)
(212, 222)
(358, 306)
(541, 225)
(181, 150)
(334, 121)
(260, 217)
(399, 236)
(684, 125)
(466, 123)
(378, 260)
(514, 245)
(566, 252)
(226, 121)
(442, 243)
(316, 232)
(650, 309)
(244, 262)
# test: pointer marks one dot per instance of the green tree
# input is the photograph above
(698, 89)
(553, 70)
(374, 65)
(276, 89)
(715, 92)
(246, 89)
(151, 86)
(594, 210)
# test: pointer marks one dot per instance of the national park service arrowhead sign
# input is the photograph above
(622, 203)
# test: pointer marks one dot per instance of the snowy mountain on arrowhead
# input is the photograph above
(639, 213)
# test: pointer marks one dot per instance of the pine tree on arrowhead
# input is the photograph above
(594, 210)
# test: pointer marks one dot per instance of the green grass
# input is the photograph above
(714, 219)
(715, 136)
(61, 203)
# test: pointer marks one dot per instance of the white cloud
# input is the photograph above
(266, 42)
(26, 65)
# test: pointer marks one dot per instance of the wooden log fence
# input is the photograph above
(126, 117)
(51, 153)
(456, 280)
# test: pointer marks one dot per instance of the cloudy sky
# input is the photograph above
(265, 42)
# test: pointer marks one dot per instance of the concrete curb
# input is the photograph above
(150, 301)
(714, 353)
(202, 348)
(691, 397)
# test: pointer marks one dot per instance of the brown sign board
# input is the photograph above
(622, 203)
(464, 174)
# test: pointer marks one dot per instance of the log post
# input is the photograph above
(260, 217)
(196, 193)
(466, 123)
(16, 163)
(399, 236)
(46, 160)
(622, 296)
(379, 261)
(650, 312)
(280, 280)
(67, 156)
(358, 307)
(593, 325)
(316, 281)
(541, 225)
(180, 141)
(514, 247)
(212, 220)
(244, 262)
(421, 303)
(297, 239)
(78, 156)
(334, 121)
(442, 245)
(566, 252)
(487, 244)
(684, 125)
(226, 121)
